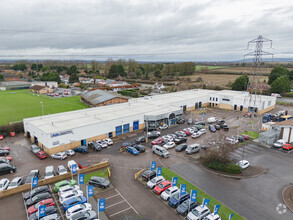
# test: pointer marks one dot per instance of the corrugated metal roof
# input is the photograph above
(98, 96)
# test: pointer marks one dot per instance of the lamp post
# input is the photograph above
(42, 108)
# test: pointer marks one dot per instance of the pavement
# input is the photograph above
(287, 195)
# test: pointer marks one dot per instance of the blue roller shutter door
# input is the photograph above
(118, 130)
(135, 125)
(125, 128)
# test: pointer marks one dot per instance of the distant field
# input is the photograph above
(198, 67)
(19, 104)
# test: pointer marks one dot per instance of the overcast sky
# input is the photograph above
(146, 30)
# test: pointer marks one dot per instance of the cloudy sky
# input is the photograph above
(146, 30)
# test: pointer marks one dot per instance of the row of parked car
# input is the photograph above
(171, 194)
(5, 162)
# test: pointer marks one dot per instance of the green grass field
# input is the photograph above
(16, 105)
(224, 211)
(252, 134)
(198, 67)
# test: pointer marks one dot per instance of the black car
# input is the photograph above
(200, 123)
(225, 127)
(81, 149)
(220, 122)
(180, 133)
(6, 168)
(153, 135)
(180, 121)
(99, 182)
(140, 139)
(183, 208)
(49, 211)
(180, 140)
(4, 152)
(140, 148)
(35, 191)
(212, 128)
(218, 127)
(181, 147)
(3, 160)
(240, 138)
(148, 175)
(32, 174)
(95, 146)
(37, 198)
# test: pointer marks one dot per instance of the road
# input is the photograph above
(285, 99)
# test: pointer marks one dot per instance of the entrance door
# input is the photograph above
(118, 130)
(235, 107)
(125, 128)
(241, 107)
(35, 140)
(83, 142)
(135, 125)
(200, 104)
(184, 108)
(196, 106)
(110, 134)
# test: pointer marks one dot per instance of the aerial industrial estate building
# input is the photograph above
(58, 132)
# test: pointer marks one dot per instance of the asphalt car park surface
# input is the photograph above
(255, 198)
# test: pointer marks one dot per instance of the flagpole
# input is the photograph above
(87, 194)
(99, 209)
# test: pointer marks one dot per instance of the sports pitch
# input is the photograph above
(16, 105)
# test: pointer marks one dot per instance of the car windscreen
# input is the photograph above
(13, 184)
(49, 173)
(153, 180)
(167, 191)
(176, 196)
(195, 212)
(161, 186)
(62, 170)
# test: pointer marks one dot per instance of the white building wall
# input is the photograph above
(286, 134)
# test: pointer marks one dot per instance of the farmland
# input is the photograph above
(19, 104)
(199, 67)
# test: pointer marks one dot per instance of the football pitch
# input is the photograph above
(16, 105)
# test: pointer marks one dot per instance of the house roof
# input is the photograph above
(37, 87)
(288, 122)
(98, 96)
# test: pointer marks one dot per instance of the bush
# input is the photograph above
(233, 168)
(224, 167)
(15, 127)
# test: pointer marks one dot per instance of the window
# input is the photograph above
(213, 98)
(216, 99)
(228, 100)
(210, 98)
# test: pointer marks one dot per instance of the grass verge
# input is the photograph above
(252, 134)
(101, 173)
(224, 211)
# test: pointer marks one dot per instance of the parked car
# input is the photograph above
(212, 128)
(74, 201)
(4, 183)
(169, 145)
(41, 155)
(177, 199)
(163, 127)
(34, 208)
(196, 135)
(35, 149)
(202, 131)
(5, 148)
(6, 168)
(225, 127)
(231, 140)
(54, 216)
(288, 146)
(3, 160)
(67, 188)
(243, 164)
(91, 215)
(211, 120)
(4, 152)
(168, 193)
(127, 144)
(181, 147)
(140, 140)
(49, 172)
(199, 123)
(212, 216)
(63, 183)
(156, 149)
(59, 156)
(108, 141)
(37, 198)
(148, 175)
(189, 121)
(153, 135)
(32, 174)
(17, 181)
(132, 150)
(279, 143)
(140, 148)
(246, 137)
(61, 170)
(157, 141)
(95, 146)
(167, 138)
(187, 131)
(220, 122)
(48, 210)
(155, 181)
(180, 140)
(180, 121)
(193, 148)
(70, 163)
(99, 182)
(81, 164)
(81, 149)
(277, 95)
(103, 144)
(77, 209)
(6, 158)
(183, 208)
(198, 213)
(35, 191)
(162, 187)
(69, 195)
(69, 153)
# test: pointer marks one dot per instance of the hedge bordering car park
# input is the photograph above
(224, 211)
(225, 167)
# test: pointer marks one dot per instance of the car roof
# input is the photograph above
(4, 179)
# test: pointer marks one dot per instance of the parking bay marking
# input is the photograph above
(109, 206)
(126, 201)
(112, 196)
(121, 211)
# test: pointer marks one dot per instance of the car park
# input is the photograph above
(77, 209)
(68, 188)
(69, 195)
(61, 170)
(181, 147)
(63, 183)
(41, 155)
(157, 141)
(82, 165)
(211, 120)
(243, 164)
(108, 141)
(99, 182)
(169, 145)
(198, 213)
(6, 168)
(155, 181)
(70, 163)
(17, 181)
(140, 148)
(35, 191)
(279, 143)
(212, 216)
(35, 148)
(37, 198)
(168, 193)
(4, 152)
(69, 153)
(49, 172)
(163, 127)
(48, 211)
(140, 140)
(95, 146)
(148, 175)
(4, 183)
(91, 215)
(212, 128)
(81, 149)
(196, 135)
(132, 150)
(59, 156)
(34, 208)
(74, 201)
(183, 208)
(193, 148)
(180, 140)
(162, 187)
(156, 149)
(177, 199)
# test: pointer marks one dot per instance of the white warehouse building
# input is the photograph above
(58, 132)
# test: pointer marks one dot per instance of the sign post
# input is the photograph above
(216, 209)
(230, 216)
(159, 171)
(80, 179)
(182, 190)
(193, 196)
(153, 165)
(42, 211)
(73, 170)
(205, 202)
(102, 206)
(35, 181)
(174, 181)
(203, 115)
(90, 191)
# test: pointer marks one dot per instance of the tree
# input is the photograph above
(72, 70)
(241, 83)
(34, 66)
(51, 77)
(277, 72)
(157, 74)
(40, 66)
(21, 67)
(115, 70)
(1, 77)
(73, 78)
(281, 84)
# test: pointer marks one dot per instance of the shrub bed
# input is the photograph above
(224, 167)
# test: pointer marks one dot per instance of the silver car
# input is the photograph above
(59, 156)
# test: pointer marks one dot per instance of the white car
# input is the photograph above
(67, 189)
(211, 120)
(198, 213)
(195, 135)
(279, 143)
(202, 131)
(167, 138)
(243, 164)
(59, 156)
(4, 183)
(69, 195)
(169, 145)
(155, 181)
(231, 140)
(61, 170)
(212, 216)
(49, 172)
(108, 141)
(277, 95)
(69, 152)
(70, 163)
(17, 181)
(154, 132)
(102, 143)
(77, 209)
(163, 127)
(168, 193)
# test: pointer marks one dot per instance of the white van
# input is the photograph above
(49, 172)
(279, 143)
(160, 151)
(277, 95)
(194, 148)
(70, 163)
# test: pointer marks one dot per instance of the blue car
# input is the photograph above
(81, 149)
(133, 150)
(177, 199)
(74, 201)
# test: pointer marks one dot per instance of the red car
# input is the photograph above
(34, 208)
(1, 137)
(246, 137)
(157, 141)
(82, 164)
(7, 158)
(41, 154)
(162, 187)
(187, 132)
(5, 148)
(288, 146)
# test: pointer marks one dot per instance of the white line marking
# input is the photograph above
(237, 153)
(249, 151)
(126, 201)
(109, 206)
(120, 211)
(112, 196)
(251, 147)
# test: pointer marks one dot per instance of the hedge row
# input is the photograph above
(224, 167)
(15, 127)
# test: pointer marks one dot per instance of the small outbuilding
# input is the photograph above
(41, 89)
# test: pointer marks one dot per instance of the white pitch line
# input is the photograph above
(112, 196)
(126, 201)
(120, 211)
(109, 206)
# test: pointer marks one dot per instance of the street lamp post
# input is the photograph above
(42, 108)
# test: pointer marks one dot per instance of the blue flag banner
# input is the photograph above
(74, 169)
(90, 190)
(230, 216)
(159, 171)
(174, 181)
(205, 202)
(203, 115)
(35, 182)
(42, 211)
(81, 178)
(102, 205)
(153, 165)
(182, 189)
(193, 195)
(216, 209)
